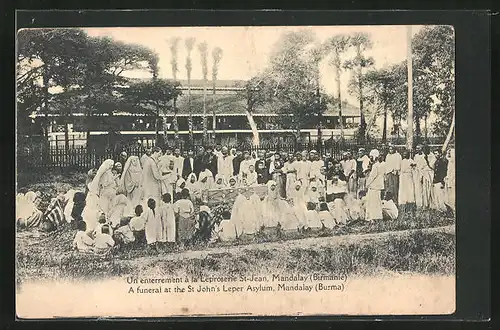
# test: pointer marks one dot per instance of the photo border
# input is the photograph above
(472, 31)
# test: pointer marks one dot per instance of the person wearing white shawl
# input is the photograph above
(179, 185)
(450, 179)
(375, 185)
(274, 208)
(206, 180)
(103, 185)
(28, 213)
(313, 193)
(233, 182)
(193, 186)
(220, 182)
(337, 190)
(325, 216)
(238, 213)
(312, 217)
(151, 178)
(121, 207)
(169, 178)
(296, 218)
(68, 197)
(130, 180)
(91, 211)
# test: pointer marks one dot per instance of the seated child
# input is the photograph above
(251, 179)
(312, 218)
(325, 216)
(101, 222)
(124, 233)
(82, 241)
(137, 225)
(103, 241)
(389, 208)
(226, 229)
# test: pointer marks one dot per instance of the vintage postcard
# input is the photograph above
(235, 171)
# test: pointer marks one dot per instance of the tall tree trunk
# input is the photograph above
(190, 120)
(66, 132)
(450, 133)
(409, 61)
(214, 120)
(205, 130)
(175, 122)
(337, 79)
(418, 132)
(384, 130)
(362, 126)
(425, 129)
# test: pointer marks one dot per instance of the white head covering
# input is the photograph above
(222, 184)
(374, 153)
(107, 165)
(179, 183)
(205, 208)
(30, 196)
(133, 170)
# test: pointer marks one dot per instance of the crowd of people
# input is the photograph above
(162, 197)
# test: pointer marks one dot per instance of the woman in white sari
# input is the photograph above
(121, 207)
(104, 185)
(193, 186)
(298, 209)
(130, 180)
(238, 213)
(274, 208)
(220, 182)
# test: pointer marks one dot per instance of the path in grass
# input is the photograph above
(297, 243)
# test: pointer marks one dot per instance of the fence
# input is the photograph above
(82, 157)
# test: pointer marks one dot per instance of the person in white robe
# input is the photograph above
(193, 186)
(424, 161)
(104, 186)
(245, 163)
(120, 207)
(375, 185)
(233, 182)
(406, 192)
(450, 179)
(298, 201)
(389, 209)
(151, 178)
(313, 193)
(152, 222)
(225, 164)
(336, 192)
(226, 230)
(251, 178)
(205, 182)
(130, 180)
(291, 174)
(220, 182)
(273, 207)
(312, 218)
(167, 219)
(349, 167)
(68, 198)
(179, 185)
(325, 216)
(238, 216)
(316, 165)
(362, 169)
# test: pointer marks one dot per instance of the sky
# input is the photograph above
(246, 49)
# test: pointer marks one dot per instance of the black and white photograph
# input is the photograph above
(235, 170)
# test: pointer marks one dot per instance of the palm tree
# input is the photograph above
(338, 45)
(202, 48)
(216, 57)
(174, 46)
(360, 42)
(189, 66)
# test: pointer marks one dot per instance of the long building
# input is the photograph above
(227, 119)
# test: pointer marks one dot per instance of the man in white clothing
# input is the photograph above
(178, 162)
(225, 164)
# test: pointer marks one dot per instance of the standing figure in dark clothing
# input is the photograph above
(210, 160)
(199, 165)
(262, 171)
(440, 171)
(237, 162)
(278, 176)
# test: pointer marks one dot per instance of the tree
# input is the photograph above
(384, 90)
(360, 42)
(152, 96)
(203, 49)
(189, 67)
(216, 58)
(293, 69)
(337, 46)
(174, 47)
(434, 72)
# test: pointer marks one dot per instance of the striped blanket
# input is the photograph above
(55, 213)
